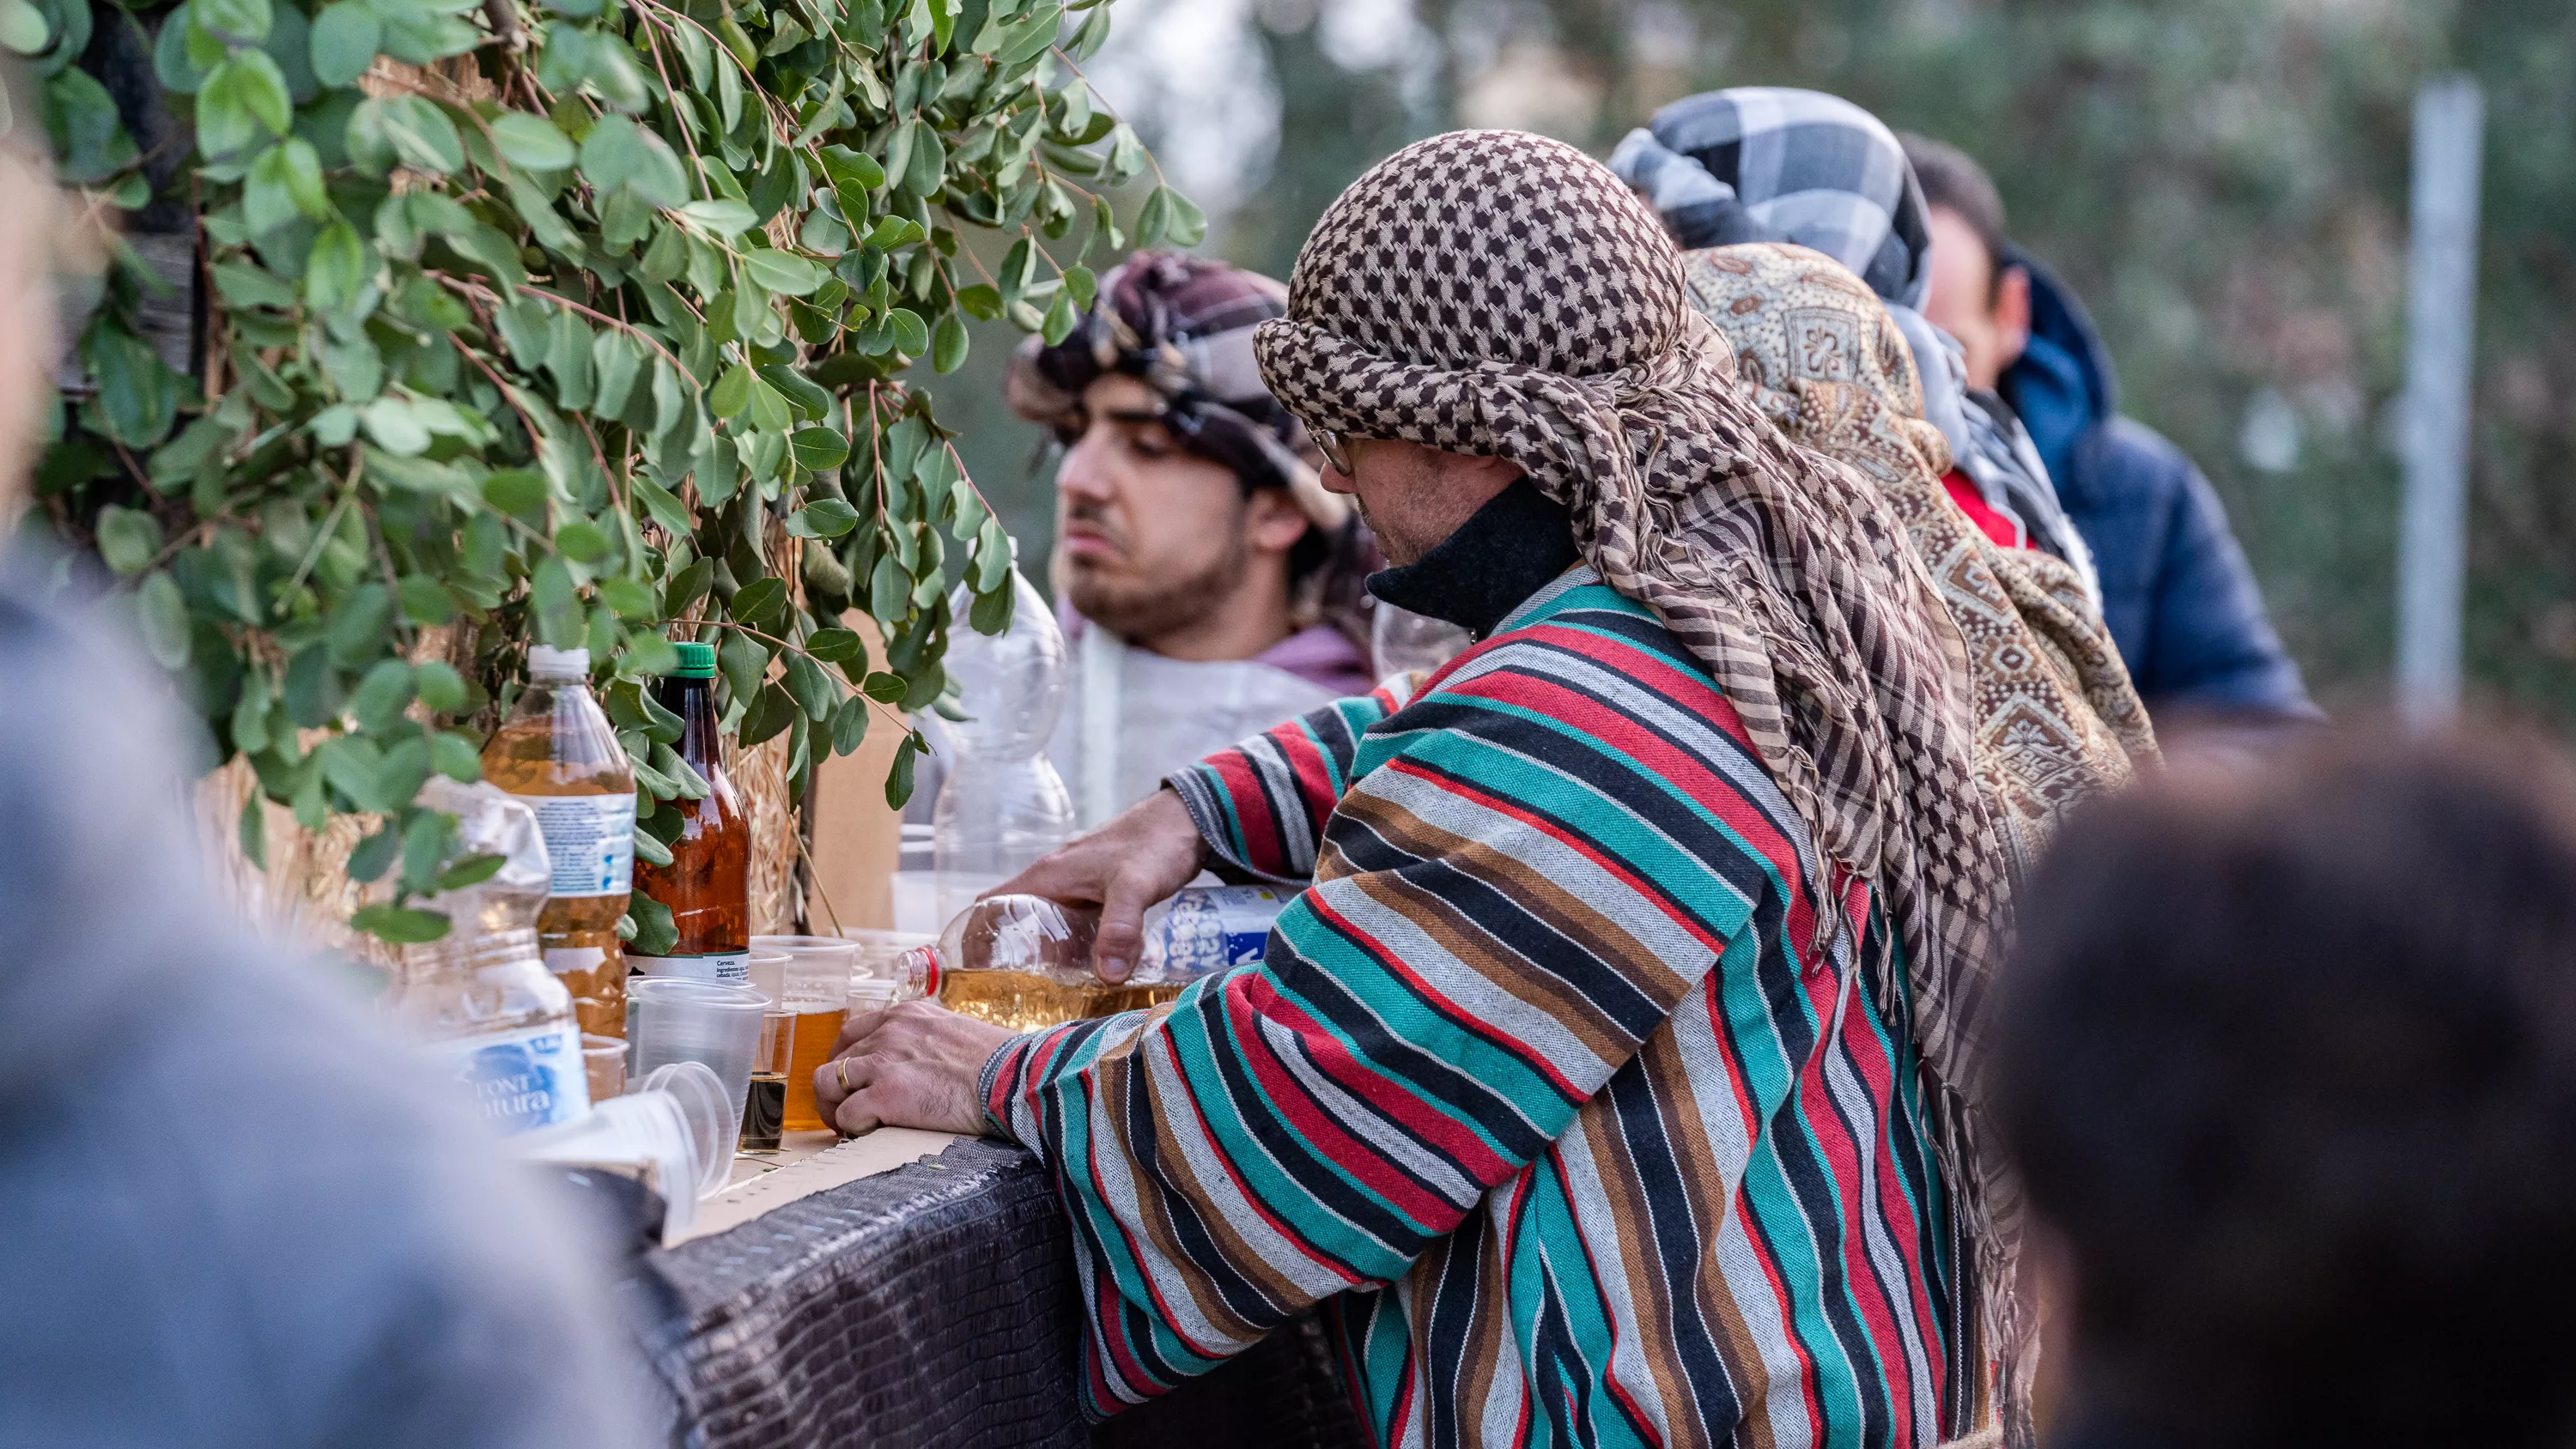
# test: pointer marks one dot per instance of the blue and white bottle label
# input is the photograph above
(590, 842)
(1209, 929)
(521, 1080)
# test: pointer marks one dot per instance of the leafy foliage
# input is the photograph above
(586, 326)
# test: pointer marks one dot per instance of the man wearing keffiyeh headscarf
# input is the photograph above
(1611, 1073)
(1209, 585)
(1765, 163)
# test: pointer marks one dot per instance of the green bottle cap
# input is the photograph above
(697, 661)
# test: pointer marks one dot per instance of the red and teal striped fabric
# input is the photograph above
(1543, 1085)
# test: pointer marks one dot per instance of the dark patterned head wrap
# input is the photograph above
(1183, 326)
(1501, 294)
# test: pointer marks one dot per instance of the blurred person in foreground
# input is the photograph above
(2287, 1060)
(1209, 586)
(2176, 589)
(1773, 164)
(1606, 1078)
(234, 1211)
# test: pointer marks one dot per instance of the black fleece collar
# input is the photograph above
(1506, 551)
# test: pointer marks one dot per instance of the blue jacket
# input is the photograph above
(2176, 592)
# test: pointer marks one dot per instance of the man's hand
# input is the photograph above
(913, 1064)
(1135, 861)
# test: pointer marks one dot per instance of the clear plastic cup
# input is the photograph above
(817, 975)
(678, 1019)
(603, 1059)
(671, 1129)
(880, 953)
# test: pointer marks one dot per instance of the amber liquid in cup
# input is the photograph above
(817, 1027)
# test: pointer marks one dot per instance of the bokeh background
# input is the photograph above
(2224, 181)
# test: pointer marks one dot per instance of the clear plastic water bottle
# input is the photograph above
(1002, 805)
(494, 1019)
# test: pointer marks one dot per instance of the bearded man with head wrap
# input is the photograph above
(1608, 1083)
(1208, 584)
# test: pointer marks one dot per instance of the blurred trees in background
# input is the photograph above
(2223, 181)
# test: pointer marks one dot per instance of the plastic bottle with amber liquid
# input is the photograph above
(557, 755)
(707, 885)
(1024, 962)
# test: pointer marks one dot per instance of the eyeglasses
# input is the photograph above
(1334, 450)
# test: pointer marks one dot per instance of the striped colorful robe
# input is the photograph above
(1543, 1088)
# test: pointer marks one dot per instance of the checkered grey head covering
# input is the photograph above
(1501, 294)
(1772, 164)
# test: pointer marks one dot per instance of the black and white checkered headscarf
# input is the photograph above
(1766, 163)
(1774, 164)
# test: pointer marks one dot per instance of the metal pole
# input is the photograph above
(2441, 317)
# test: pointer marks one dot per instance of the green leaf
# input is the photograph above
(760, 603)
(242, 20)
(405, 925)
(440, 686)
(128, 538)
(346, 38)
(22, 27)
(732, 392)
(722, 216)
(582, 542)
(824, 518)
(948, 344)
(630, 598)
(421, 134)
(819, 448)
(664, 508)
(375, 854)
(835, 646)
(654, 933)
(163, 612)
(336, 272)
(285, 183)
(473, 869)
(425, 600)
(1187, 226)
(516, 490)
(849, 725)
(1154, 217)
(928, 161)
(454, 756)
(743, 663)
(356, 632)
(531, 142)
(783, 272)
(395, 428)
(911, 334)
(772, 711)
(1060, 318)
(254, 829)
(812, 688)
(898, 790)
(382, 695)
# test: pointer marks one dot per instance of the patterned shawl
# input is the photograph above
(1501, 294)
(2056, 718)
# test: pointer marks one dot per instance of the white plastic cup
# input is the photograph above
(881, 952)
(672, 1127)
(681, 1020)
